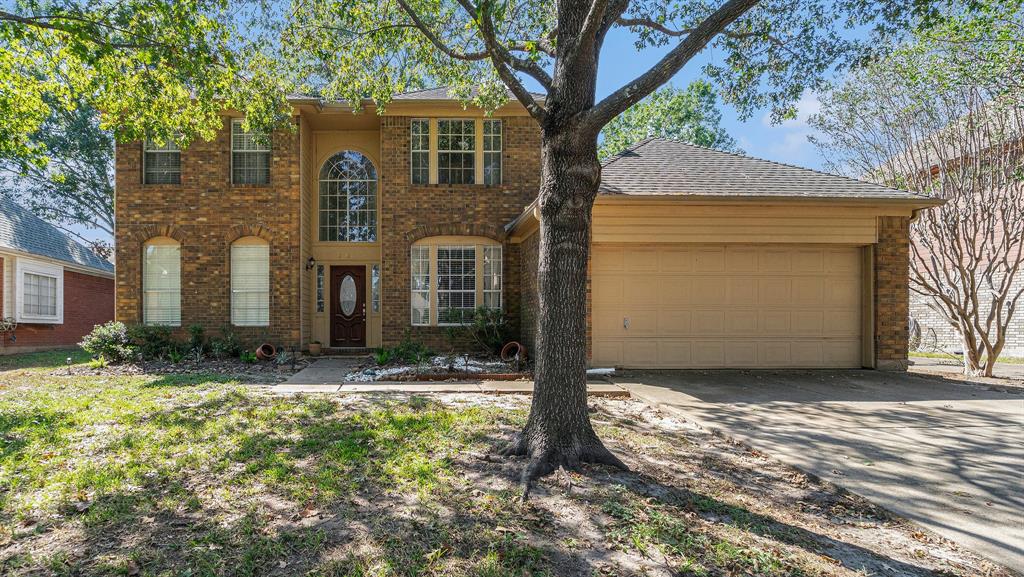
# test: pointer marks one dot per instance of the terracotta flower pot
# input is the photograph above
(265, 352)
(314, 349)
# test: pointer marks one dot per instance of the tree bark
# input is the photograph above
(558, 432)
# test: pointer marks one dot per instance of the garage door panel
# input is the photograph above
(704, 306)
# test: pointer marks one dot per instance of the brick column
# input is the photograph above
(892, 292)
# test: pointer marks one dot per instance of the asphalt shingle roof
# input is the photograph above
(441, 93)
(23, 231)
(660, 166)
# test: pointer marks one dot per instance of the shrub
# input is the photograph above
(248, 357)
(110, 341)
(410, 351)
(488, 330)
(196, 339)
(227, 345)
(152, 341)
(382, 356)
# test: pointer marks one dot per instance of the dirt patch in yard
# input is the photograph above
(217, 480)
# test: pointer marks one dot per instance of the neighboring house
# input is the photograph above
(361, 230)
(53, 289)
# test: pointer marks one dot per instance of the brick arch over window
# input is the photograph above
(495, 233)
(150, 231)
(239, 231)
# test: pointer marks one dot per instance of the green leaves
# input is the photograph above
(689, 115)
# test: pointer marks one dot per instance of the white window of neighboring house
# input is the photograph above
(419, 147)
(161, 163)
(161, 282)
(250, 156)
(468, 275)
(39, 292)
(419, 261)
(492, 152)
(250, 282)
(456, 151)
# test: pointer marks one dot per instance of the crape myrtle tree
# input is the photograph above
(165, 69)
(943, 116)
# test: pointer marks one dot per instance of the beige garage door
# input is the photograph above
(723, 306)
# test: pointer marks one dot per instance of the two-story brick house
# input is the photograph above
(356, 230)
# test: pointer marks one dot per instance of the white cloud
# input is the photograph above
(805, 107)
(788, 139)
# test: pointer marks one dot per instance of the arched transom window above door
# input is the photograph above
(348, 199)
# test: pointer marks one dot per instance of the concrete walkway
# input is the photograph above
(325, 376)
(941, 452)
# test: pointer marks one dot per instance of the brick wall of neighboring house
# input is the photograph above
(938, 335)
(88, 301)
(409, 213)
(529, 251)
(892, 292)
(206, 213)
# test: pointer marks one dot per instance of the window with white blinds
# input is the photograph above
(450, 281)
(420, 298)
(250, 283)
(161, 282)
(250, 156)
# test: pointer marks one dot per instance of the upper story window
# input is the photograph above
(456, 151)
(250, 282)
(40, 292)
(492, 152)
(419, 150)
(453, 276)
(348, 199)
(161, 163)
(250, 156)
(161, 282)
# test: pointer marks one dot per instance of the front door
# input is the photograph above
(348, 306)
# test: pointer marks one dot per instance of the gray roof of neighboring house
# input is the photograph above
(22, 231)
(660, 166)
(442, 93)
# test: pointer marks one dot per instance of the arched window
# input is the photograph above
(161, 282)
(451, 277)
(348, 198)
(250, 282)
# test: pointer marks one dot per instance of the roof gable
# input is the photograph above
(22, 231)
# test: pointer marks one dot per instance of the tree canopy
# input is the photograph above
(690, 115)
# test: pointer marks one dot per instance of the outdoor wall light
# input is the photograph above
(310, 263)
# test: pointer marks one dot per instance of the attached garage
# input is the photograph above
(683, 306)
(702, 259)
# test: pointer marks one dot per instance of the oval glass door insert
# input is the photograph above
(347, 295)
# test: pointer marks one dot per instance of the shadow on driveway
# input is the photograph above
(935, 449)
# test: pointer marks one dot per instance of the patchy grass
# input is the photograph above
(202, 475)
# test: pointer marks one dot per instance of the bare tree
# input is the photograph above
(912, 122)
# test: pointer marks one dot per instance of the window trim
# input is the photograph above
(431, 244)
(248, 241)
(146, 150)
(24, 266)
(376, 199)
(231, 162)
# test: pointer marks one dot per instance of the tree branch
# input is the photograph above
(617, 102)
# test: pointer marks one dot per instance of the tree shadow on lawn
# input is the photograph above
(54, 359)
(398, 488)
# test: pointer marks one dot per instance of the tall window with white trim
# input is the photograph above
(348, 198)
(419, 144)
(419, 260)
(161, 282)
(456, 284)
(250, 282)
(161, 163)
(492, 277)
(492, 152)
(250, 156)
(456, 151)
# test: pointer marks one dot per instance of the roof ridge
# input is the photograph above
(777, 163)
(631, 148)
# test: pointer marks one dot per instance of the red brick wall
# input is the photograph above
(88, 301)
(892, 292)
(409, 213)
(206, 213)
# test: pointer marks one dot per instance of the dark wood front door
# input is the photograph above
(348, 306)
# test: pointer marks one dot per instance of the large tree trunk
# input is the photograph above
(558, 431)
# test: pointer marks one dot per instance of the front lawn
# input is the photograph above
(201, 475)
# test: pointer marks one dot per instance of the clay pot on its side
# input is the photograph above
(265, 352)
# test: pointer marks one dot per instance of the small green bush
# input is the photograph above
(382, 356)
(153, 341)
(196, 339)
(410, 351)
(248, 357)
(487, 329)
(227, 345)
(110, 341)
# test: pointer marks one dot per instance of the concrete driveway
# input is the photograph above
(941, 452)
